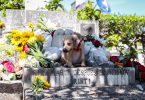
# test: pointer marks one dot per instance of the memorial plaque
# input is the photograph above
(82, 76)
(61, 77)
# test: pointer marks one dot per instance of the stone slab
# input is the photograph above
(11, 86)
(17, 19)
(81, 76)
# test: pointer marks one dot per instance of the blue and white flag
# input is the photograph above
(104, 6)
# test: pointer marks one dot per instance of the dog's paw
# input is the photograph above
(68, 66)
(83, 65)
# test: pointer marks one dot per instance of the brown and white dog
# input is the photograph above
(73, 50)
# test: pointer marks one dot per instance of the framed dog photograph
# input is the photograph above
(89, 25)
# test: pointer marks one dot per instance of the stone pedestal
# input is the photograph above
(81, 76)
(61, 77)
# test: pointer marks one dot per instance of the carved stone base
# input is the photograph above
(81, 76)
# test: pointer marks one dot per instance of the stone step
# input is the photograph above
(86, 93)
(81, 76)
(11, 86)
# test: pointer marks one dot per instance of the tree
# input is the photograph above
(54, 5)
(89, 12)
(11, 4)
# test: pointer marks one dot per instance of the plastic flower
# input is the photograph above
(9, 66)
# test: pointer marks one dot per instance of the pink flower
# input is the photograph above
(26, 48)
(9, 66)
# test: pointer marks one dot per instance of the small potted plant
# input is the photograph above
(39, 84)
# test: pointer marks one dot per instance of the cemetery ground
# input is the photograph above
(16, 89)
(130, 92)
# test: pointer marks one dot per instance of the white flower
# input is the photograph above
(50, 25)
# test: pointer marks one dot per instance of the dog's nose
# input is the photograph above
(65, 50)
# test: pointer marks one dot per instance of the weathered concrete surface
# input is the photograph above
(11, 86)
(129, 92)
(17, 19)
(80, 76)
(11, 96)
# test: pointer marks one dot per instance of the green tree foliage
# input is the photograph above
(54, 5)
(88, 12)
(10, 4)
(122, 29)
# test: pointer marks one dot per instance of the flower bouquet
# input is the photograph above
(28, 43)
(39, 83)
(46, 25)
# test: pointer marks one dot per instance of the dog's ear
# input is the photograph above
(74, 39)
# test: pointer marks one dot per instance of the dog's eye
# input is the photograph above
(69, 44)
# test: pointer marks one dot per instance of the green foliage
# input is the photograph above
(89, 12)
(54, 5)
(10, 4)
(37, 86)
(122, 30)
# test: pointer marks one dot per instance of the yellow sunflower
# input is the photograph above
(32, 40)
(16, 38)
(23, 55)
(46, 84)
(40, 38)
(19, 46)
(27, 34)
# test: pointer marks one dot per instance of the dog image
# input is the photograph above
(73, 50)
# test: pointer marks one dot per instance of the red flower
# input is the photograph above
(114, 59)
(128, 63)
(9, 66)
(143, 76)
(135, 63)
(141, 68)
(26, 48)
(96, 43)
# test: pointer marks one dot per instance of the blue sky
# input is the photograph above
(127, 7)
